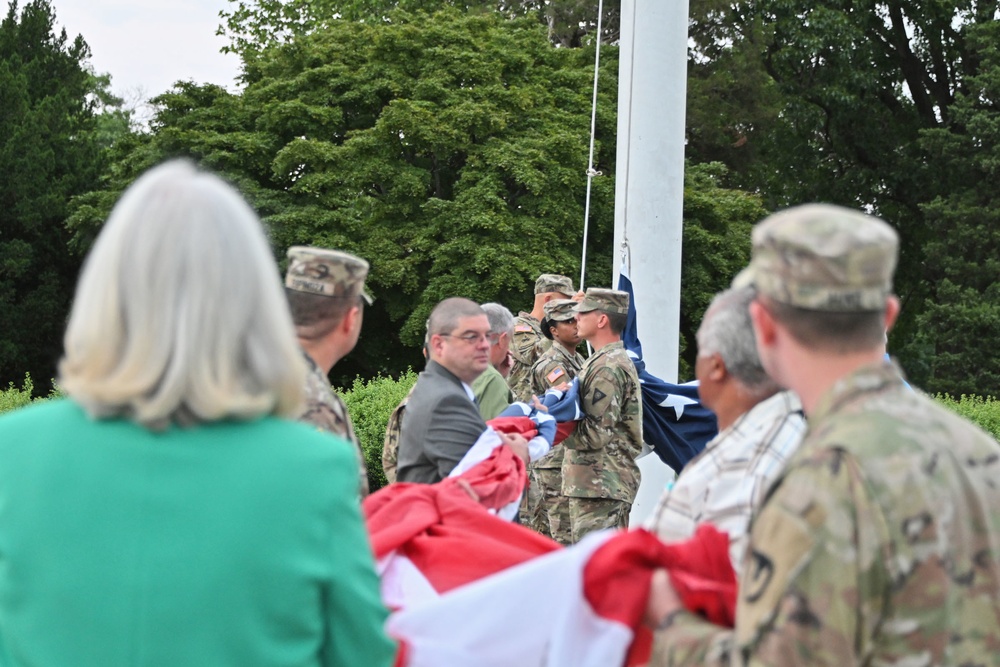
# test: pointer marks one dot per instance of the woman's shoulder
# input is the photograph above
(48, 411)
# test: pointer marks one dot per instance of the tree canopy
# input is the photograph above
(449, 150)
(51, 139)
(866, 105)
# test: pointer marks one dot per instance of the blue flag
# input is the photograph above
(674, 422)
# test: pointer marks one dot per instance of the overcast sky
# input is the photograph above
(147, 45)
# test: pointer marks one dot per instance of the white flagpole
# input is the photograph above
(649, 190)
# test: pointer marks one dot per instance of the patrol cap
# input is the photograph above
(823, 257)
(560, 310)
(606, 300)
(552, 282)
(326, 272)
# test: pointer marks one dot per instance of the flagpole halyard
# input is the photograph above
(591, 172)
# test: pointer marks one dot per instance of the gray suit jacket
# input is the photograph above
(439, 426)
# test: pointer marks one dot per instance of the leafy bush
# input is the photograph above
(370, 404)
(982, 411)
(13, 398)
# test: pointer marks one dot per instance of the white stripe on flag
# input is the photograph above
(530, 615)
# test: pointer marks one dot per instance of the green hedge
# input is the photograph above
(983, 411)
(371, 402)
(13, 398)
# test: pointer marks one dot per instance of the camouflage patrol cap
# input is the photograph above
(560, 310)
(605, 300)
(326, 272)
(823, 257)
(551, 282)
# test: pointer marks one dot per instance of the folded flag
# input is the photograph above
(431, 538)
(579, 606)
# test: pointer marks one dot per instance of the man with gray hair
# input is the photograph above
(441, 421)
(760, 427)
(491, 390)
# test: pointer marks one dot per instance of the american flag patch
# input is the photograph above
(556, 373)
(522, 328)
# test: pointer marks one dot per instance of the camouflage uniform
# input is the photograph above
(327, 412)
(599, 473)
(880, 542)
(548, 510)
(526, 346)
(327, 274)
(528, 342)
(390, 448)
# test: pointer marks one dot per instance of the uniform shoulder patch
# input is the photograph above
(522, 328)
(556, 373)
(597, 397)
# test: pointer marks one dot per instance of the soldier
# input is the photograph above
(326, 294)
(547, 510)
(528, 342)
(599, 474)
(390, 446)
(880, 542)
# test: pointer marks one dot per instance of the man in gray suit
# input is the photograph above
(441, 421)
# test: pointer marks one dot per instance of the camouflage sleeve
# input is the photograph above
(390, 448)
(524, 345)
(322, 416)
(330, 415)
(547, 373)
(818, 541)
(601, 399)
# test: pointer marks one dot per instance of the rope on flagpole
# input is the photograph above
(591, 172)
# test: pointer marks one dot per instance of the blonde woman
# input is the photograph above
(167, 512)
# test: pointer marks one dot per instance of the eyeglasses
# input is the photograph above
(475, 339)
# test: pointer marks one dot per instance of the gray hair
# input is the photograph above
(501, 319)
(179, 314)
(445, 316)
(726, 330)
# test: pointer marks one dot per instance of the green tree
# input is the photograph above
(448, 149)
(51, 140)
(962, 312)
(827, 101)
(716, 246)
(251, 26)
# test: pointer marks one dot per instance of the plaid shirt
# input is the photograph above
(726, 482)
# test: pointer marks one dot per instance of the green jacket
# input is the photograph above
(233, 543)
(492, 393)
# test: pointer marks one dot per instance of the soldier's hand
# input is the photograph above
(517, 443)
(663, 600)
(579, 296)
